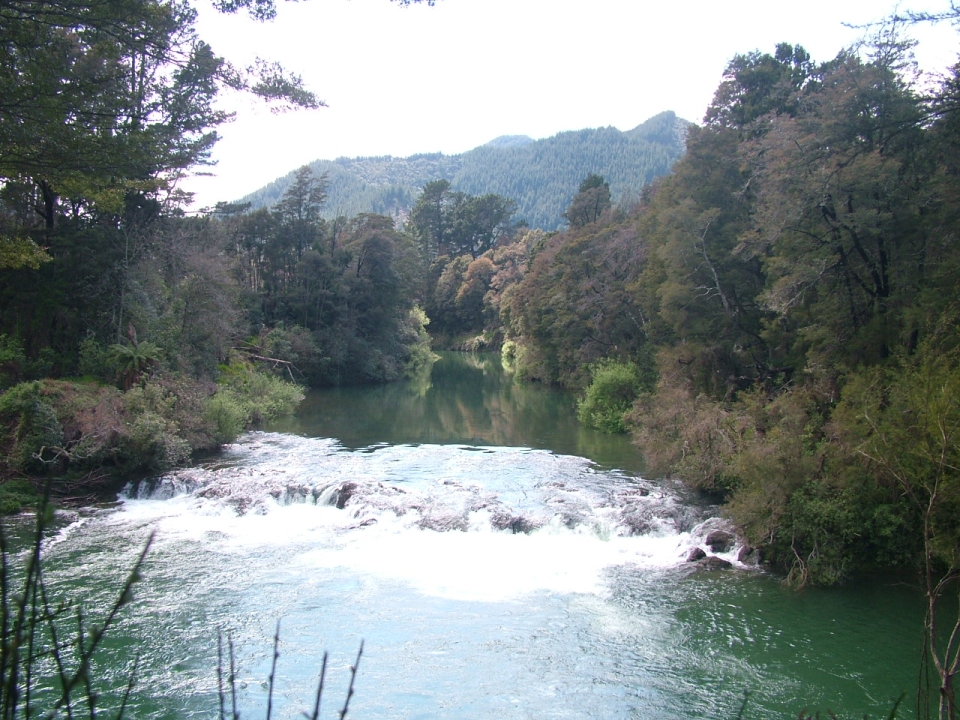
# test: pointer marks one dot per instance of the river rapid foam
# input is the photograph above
(485, 582)
(489, 524)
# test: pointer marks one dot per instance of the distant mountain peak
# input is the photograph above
(510, 141)
(541, 175)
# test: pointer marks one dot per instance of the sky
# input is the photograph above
(405, 80)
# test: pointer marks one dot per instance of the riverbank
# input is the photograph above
(86, 439)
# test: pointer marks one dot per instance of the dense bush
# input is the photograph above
(258, 396)
(71, 430)
(34, 433)
(609, 396)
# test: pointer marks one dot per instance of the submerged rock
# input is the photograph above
(637, 524)
(515, 523)
(712, 562)
(443, 523)
(343, 494)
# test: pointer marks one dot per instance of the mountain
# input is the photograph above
(541, 175)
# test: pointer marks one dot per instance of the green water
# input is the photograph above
(581, 617)
(468, 399)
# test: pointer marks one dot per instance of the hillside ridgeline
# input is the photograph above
(540, 175)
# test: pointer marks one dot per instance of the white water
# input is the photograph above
(486, 582)
(483, 580)
(461, 523)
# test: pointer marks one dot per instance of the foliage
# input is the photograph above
(33, 429)
(93, 360)
(255, 397)
(227, 416)
(590, 202)
(611, 392)
(150, 439)
(418, 341)
(456, 224)
(21, 252)
(802, 250)
(104, 101)
(12, 361)
(908, 421)
(541, 175)
(132, 361)
(86, 433)
(572, 305)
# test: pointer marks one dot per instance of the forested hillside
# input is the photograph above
(777, 321)
(540, 175)
(131, 336)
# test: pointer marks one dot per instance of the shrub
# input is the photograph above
(226, 416)
(297, 348)
(16, 494)
(260, 396)
(93, 360)
(133, 361)
(12, 361)
(152, 443)
(612, 390)
(414, 336)
(34, 430)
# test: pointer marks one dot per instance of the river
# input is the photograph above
(496, 559)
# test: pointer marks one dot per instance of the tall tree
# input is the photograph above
(429, 218)
(590, 202)
(757, 83)
(298, 211)
(476, 223)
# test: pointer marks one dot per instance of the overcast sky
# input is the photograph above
(448, 78)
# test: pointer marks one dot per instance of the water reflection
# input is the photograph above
(465, 399)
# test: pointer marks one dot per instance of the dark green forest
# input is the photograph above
(782, 310)
(774, 322)
(540, 175)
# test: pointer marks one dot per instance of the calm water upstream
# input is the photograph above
(497, 560)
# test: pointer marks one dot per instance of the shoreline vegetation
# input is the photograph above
(84, 439)
(761, 322)
(775, 322)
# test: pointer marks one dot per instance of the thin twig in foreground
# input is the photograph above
(316, 705)
(273, 669)
(353, 676)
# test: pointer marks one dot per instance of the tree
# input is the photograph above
(476, 223)
(298, 211)
(839, 210)
(910, 421)
(267, 9)
(590, 202)
(757, 83)
(455, 223)
(429, 218)
(104, 99)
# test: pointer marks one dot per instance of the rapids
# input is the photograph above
(487, 578)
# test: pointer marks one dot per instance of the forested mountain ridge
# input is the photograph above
(541, 175)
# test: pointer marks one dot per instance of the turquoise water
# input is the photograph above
(496, 559)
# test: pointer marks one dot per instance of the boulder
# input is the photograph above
(636, 524)
(343, 494)
(748, 555)
(696, 554)
(720, 541)
(515, 523)
(714, 563)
